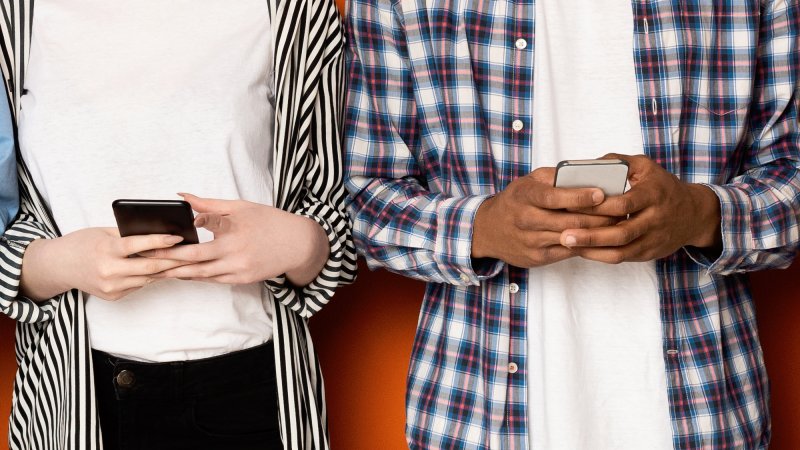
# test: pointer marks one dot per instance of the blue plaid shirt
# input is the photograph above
(435, 87)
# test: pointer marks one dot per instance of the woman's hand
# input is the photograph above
(252, 243)
(93, 260)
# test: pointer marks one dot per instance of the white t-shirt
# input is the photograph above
(145, 99)
(596, 368)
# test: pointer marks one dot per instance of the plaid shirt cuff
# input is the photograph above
(741, 250)
(453, 248)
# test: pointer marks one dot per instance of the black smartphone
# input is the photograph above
(138, 217)
(610, 175)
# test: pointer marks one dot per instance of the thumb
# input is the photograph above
(208, 205)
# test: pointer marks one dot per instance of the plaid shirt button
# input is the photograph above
(512, 367)
(395, 190)
(513, 288)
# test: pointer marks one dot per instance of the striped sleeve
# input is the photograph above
(323, 194)
(12, 249)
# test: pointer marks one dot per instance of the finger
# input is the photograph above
(627, 158)
(149, 266)
(545, 175)
(547, 197)
(132, 245)
(200, 272)
(188, 253)
(559, 221)
(215, 223)
(136, 282)
(638, 165)
(222, 279)
(631, 202)
(111, 231)
(115, 297)
(612, 255)
(550, 255)
(613, 236)
(541, 239)
(209, 205)
(123, 287)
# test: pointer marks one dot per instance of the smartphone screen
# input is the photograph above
(610, 175)
(140, 217)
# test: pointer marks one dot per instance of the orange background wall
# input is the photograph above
(364, 339)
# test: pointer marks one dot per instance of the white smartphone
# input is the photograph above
(610, 175)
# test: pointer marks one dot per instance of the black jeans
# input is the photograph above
(226, 402)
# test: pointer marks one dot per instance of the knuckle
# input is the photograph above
(154, 267)
(576, 222)
(242, 278)
(627, 235)
(193, 254)
(125, 245)
(616, 257)
(531, 240)
(547, 198)
(626, 204)
(107, 288)
(105, 272)
(520, 221)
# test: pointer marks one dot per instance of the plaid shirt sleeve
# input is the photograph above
(760, 207)
(402, 219)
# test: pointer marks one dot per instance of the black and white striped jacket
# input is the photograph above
(53, 404)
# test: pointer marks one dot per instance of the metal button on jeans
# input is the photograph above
(125, 379)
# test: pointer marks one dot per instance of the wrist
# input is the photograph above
(480, 243)
(312, 249)
(707, 217)
(40, 280)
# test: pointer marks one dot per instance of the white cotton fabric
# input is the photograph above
(596, 370)
(143, 100)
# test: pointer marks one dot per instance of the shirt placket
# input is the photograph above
(655, 118)
(520, 42)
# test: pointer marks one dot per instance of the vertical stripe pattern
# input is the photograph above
(53, 403)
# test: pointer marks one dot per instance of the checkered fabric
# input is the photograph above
(435, 88)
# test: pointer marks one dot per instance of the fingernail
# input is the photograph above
(200, 221)
(570, 240)
(597, 197)
(182, 194)
(172, 240)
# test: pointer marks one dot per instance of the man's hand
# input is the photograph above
(522, 225)
(252, 243)
(664, 214)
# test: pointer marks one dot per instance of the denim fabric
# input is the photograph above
(226, 402)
